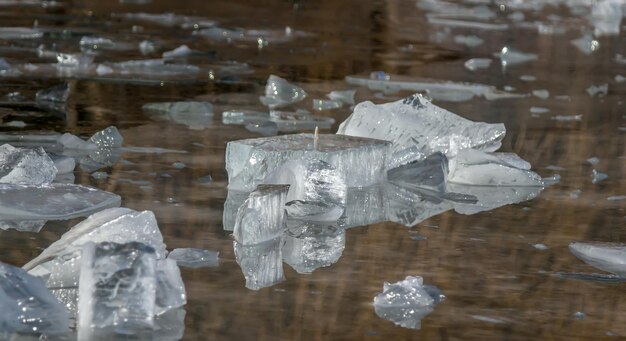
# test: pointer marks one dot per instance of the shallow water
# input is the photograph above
(497, 284)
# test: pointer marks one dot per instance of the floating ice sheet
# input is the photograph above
(280, 93)
(586, 44)
(194, 258)
(309, 246)
(609, 257)
(261, 264)
(195, 115)
(261, 217)
(25, 166)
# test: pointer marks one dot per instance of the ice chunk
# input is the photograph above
(593, 160)
(234, 200)
(261, 264)
(107, 138)
(528, 78)
(324, 104)
(16, 33)
(309, 246)
(69, 141)
(27, 305)
(170, 289)
(597, 176)
(167, 19)
(25, 166)
(179, 52)
(620, 78)
(539, 110)
(280, 93)
(609, 257)
(419, 128)
(430, 173)
(344, 96)
(599, 90)
(117, 288)
(195, 115)
(364, 206)
(55, 94)
(404, 303)
(489, 197)
(477, 63)
(298, 121)
(261, 217)
(99, 175)
(63, 164)
(586, 44)
(567, 118)
(469, 41)
(616, 198)
(606, 17)
(244, 116)
(52, 202)
(361, 161)
(410, 206)
(473, 167)
(543, 94)
(194, 258)
(510, 57)
(147, 47)
(23, 225)
(93, 43)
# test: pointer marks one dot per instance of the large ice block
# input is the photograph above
(261, 264)
(279, 93)
(170, 289)
(610, 257)
(261, 217)
(309, 246)
(474, 167)
(195, 115)
(194, 258)
(419, 128)
(25, 166)
(117, 288)
(404, 303)
(361, 161)
(27, 306)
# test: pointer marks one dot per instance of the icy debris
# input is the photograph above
(616, 198)
(609, 257)
(541, 247)
(194, 258)
(539, 110)
(145, 47)
(567, 118)
(152, 68)
(309, 246)
(361, 161)
(205, 180)
(473, 167)
(510, 57)
(178, 165)
(606, 17)
(344, 96)
(404, 303)
(469, 41)
(486, 198)
(543, 94)
(99, 175)
(25, 166)
(195, 115)
(55, 94)
(599, 90)
(470, 24)
(586, 44)
(300, 120)
(262, 37)
(597, 176)
(117, 288)
(69, 141)
(261, 217)
(23, 225)
(477, 63)
(528, 78)
(234, 200)
(244, 116)
(261, 264)
(168, 19)
(430, 173)
(326, 104)
(575, 194)
(14, 124)
(28, 307)
(107, 138)
(180, 52)
(170, 289)
(63, 164)
(17, 33)
(419, 128)
(593, 160)
(280, 93)
(317, 190)
(93, 43)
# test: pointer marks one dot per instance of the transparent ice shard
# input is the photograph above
(361, 161)
(309, 246)
(169, 326)
(567, 118)
(195, 115)
(180, 52)
(280, 93)
(25, 166)
(194, 258)
(234, 200)
(473, 167)
(63, 164)
(586, 44)
(267, 128)
(326, 104)
(410, 206)
(147, 47)
(28, 306)
(107, 138)
(152, 68)
(598, 90)
(70, 141)
(364, 206)
(610, 257)
(404, 303)
(510, 57)
(419, 128)
(606, 17)
(597, 176)
(52, 202)
(344, 96)
(261, 217)
(244, 116)
(477, 63)
(170, 289)
(262, 37)
(430, 173)
(117, 288)
(261, 264)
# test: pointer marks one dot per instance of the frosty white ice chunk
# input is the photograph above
(52, 202)
(419, 128)
(117, 288)
(279, 93)
(586, 44)
(261, 264)
(57, 93)
(477, 63)
(287, 121)
(597, 176)
(195, 115)
(609, 257)
(179, 52)
(431, 173)
(598, 90)
(147, 47)
(107, 138)
(261, 217)
(194, 258)
(361, 161)
(344, 96)
(509, 57)
(25, 166)
(606, 17)
(404, 303)
(28, 306)
(170, 289)
(318, 188)
(473, 167)
(309, 246)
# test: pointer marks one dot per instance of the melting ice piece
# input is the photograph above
(606, 17)
(261, 264)
(326, 104)
(52, 202)
(586, 44)
(15, 33)
(431, 173)
(92, 43)
(599, 90)
(289, 121)
(410, 206)
(419, 128)
(477, 63)
(469, 41)
(473, 167)
(55, 94)
(280, 93)
(309, 246)
(69, 141)
(23, 225)
(317, 191)
(404, 303)
(147, 47)
(170, 289)
(180, 52)
(63, 164)
(360, 161)
(117, 288)
(234, 200)
(261, 217)
(597, 176)
(344, 96)
(195, 115)
(107, 138)
(509, 57)
(244, 116)
(609, 257)
(28, 306)
(364, 206)
(25, 166)
(194, 258)
(489, 197)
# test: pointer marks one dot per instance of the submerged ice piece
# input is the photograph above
(404, 303)
(604, 256)
(419, 128)
(262, 215)
(28, 306)
(25, 166)
(309, 246)
(280, 93)
(194, 258)
(261, 264)
(360, 161)
(473, 167)
(117, 288)
(195, 115)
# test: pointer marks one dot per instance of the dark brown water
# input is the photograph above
(498, 286)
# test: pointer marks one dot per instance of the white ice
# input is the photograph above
(604, 256)
(26, 166)
(405, 303)
(280, 93)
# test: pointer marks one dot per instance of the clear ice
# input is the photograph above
(170, 289)
(261, 217)
(280, 93)
(509, 57)
(261, 264)
(309, 246)
(195, 115)
(477, 63)
(25, 166)
(194, 258)
(344, 96)
(604, 256)
(473, 167)
(430, 173)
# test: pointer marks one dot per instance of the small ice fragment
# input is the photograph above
(555, 168)
(575, 194)
(586, 44)
(69, 141)
(551, 180)
(488, 319)
(280, 93)
(179, 52)
(178, 165)
(567, 118)
(404, 303)
(324, 104)
(616, 198)
(600, 90)
(597, 176)
(107, 138)
(103, 70)
(477, 63)
(543, 94)
(23, 225)
(261, 217)
(91, 43)
(14, 124)
(620, 78)
(99, 175)
(528, 78)
(469, 41)
(194, 114)
(539, 110)
(540, 246)
(430, 173)
(25, 166)
(593, 160)
(509, 57)
(147, 47)
(473, 167)
(205, 180)
(244, 116)
(4, 65)
(56, 94)
(16, 33)
(194, 258)
(579, 315)
(300, 120)
(609, 257)
(344, 96)
(418, 237)
(606, 17)
(309, 246)
(170, 289)
(261, 264)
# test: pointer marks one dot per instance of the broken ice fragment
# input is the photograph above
(261, 264)
(419, 128)
(361, 161)
(404, 303)
(179, 52)
(261, 217)
(147, 47)
(99, 175)
(107, 138)
(528, 78)
(195, 115)
(69, 141)
(473, 167)
(323, 104)
(609, 257)
(55, 94)
(606, 17)
(280, 93)
(509, 57)
(489, 197)
(597, 176)
(586, 44)
(599, 90)
(23, 225)
(477, 63)
(543, 94)
(345, 96)
(593, 160)
(25, 166)
(194, 258)
(539, 110)
(309, 246)
(63, 164)
(469, 41)
(290, 121)
(170, 289)
(91, 43)
(15, 33)
(243, 116)
(620, 78)
(567, 118)
(28, 306)
(430, 173)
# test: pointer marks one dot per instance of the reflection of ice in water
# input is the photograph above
(604, 256)
(309, 246)
(261, 264)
